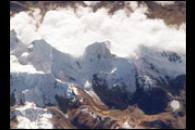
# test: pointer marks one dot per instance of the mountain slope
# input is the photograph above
(125, 80)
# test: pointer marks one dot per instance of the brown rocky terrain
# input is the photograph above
(174, 14)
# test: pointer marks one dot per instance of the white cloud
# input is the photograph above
(71, 33)
(25, 27)
(16, 67)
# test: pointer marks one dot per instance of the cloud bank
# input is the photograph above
(71, 32)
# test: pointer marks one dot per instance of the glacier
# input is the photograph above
(52, 71)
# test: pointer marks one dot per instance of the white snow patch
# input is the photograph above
(175, 105)
(91, 3)
(146, 83)
(113, 70)
(25, 54)
(87, 85)
(165, 3)
(126, 125)
(31, 117)
(60, 81)
(133, 4)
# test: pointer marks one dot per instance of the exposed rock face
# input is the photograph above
(59, 119)
(90, 120)
(168, 12)
(178, 84)
(118, 94)
(148, 103)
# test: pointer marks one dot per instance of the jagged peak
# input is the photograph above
(99, 49)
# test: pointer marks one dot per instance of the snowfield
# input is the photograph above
(31, 117)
